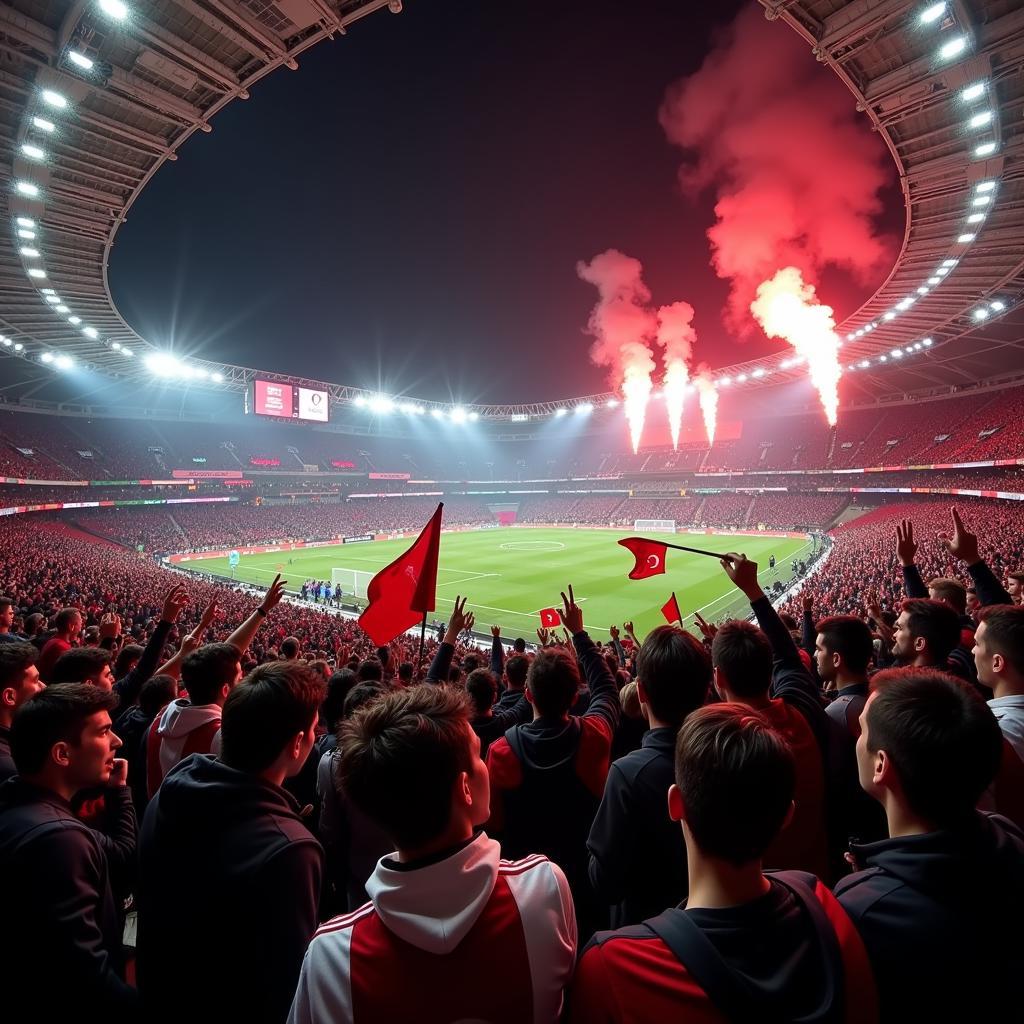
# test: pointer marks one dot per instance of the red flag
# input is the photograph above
(403, 592)
(549, 618)
(670, 609)
(649, 555)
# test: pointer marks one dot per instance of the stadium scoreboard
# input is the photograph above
(289, 401)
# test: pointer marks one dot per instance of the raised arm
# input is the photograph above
(604, 696)
(128, 687)
(906, 549)
(963, 544)
(497, 654)
(460, 619)
(189, 642)
(242, 636)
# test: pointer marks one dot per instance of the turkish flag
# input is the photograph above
(649, 555)
(670, 609)
(403, 592)
(549, 618)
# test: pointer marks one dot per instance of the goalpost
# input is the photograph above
(655, 525)
(353, 581)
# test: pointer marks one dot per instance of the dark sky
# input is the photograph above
(407, 209)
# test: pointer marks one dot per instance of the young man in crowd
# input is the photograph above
(927, 633)
(19, 680)
(547, 776)
(192, 725)
(762, 669)
(842, 652)
(747, 946)
(229, 872)
(452, 931)
(637, 854)
(91, 665)
(7, 613)
(68, 625)
(1015, 586)
(938, 903)
(60, 943)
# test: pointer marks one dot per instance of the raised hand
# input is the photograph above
(961, 543)
(906, 547)
(808, 603)
(743, 572)
(495, 630)
(174, 602)
(614, 631)
(572, 614)
(119, 773)
(460, 618)
(542, 636)
(707, 630)
(628, 627)
(273, 596)
(873, 606)
(110, 626)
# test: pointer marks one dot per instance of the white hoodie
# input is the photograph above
(470, 937)
(177, 723)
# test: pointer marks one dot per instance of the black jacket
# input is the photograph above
(940, 916)
(229, 886)
(61, 934)
(7, 768)
(637, 853)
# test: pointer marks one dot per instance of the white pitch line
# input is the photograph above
(468, 579)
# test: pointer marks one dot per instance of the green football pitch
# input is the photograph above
(508, 575)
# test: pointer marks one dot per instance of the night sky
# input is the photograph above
(406, 211)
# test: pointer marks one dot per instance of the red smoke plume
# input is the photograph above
(676, 337)
(624, 325)
(797, 177)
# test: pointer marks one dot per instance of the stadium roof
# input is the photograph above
(95, 95)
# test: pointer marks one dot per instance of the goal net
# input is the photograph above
(655, 525)
(353, 581)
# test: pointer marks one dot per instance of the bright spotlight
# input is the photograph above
(114, 9)
(43, 125)
(64, 362)
(560, 412)
(36, 272)
(90, 332)
(54, 99)
(984, 186)
(217, 378)
(932, 13)
(972, 92)
(981, 314)
(28, 222)
(985, 149)
(997, 305)
(32, 152)
(965, 238)
(953, 48)
(611, 404)
(436, 413)
(458, 414)
(27, 188)
(980, 119)
(47, 357)
(80, 60)
(76, 320)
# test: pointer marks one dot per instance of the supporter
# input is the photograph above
(746, 945)
(927, 632)
(84, 665)
(842, 653)
(1015, 586)
(229, 874)
(547, 776)
(470, 936)
(19, 680)
(637, 855)
(133, 725)
(68, 625)
(515, 671)
(930, 901)
(60, 943)
(7, 615)
(290, 648)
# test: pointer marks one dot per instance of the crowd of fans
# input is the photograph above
(217, 804)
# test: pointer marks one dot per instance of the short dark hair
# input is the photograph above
(15, 659)
(1004, 632)
(384, 656)
(737, 777)
(5, 602)
(357, 697)
(941, 737)
(400, 757)
(405, 671)
(370, 671)
(470, 663)
(553, 681)
(53, 715)
(64, 618)
(516, 669)
(675, 670)
(936, 622)
(519, 645)
(206, 671)
(157, 692)
(125, 657)
(482, 689)
(78, 664)
(850, 638)
(953, 592)
(273, 703)
(743, 654)
(289, 647)
(338, 688)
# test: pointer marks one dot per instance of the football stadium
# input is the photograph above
(523, 505)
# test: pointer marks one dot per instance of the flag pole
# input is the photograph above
(693, 551)
(423, 631)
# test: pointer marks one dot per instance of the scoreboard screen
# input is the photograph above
(289, 401)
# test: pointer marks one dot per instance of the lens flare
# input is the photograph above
(708, 394)
(785, 307)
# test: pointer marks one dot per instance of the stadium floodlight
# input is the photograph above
(217, 378)
(91, 332)
(724, 382)
(611, 404)
(381, 404)
(114, 9)
(897, 353)
(519, 417)
(458, 414)
(26, 234)
(975, 218)
(941, 272)
(560, 412)
(27, 250)
(474, 416)
(953, 48)
(18, 347)
(926, 342)
(129, 353)
(32, 152)
(981, 314)
(923, 290)
(359, 401)
(741, 379)
(27, 188)
(47, 291)
(785, 364)
(965, 238)
(981, 200)
(161, 364)
(582, 410)
(759, 372)
(76, 320)
(62, 308)
(985, 149)
(115, 345)
(51, 298)
(984, 186)
(43, 124)
(883, 359)
(864, 364)
(55, 99)
(889, 315)
(980, 119)
(6, 341)
(998, 305)
(36, 272)
(28, 222)
(80, 60)
(972, 92)
(904, 304)
(949, 263)
(932, 13)
(64, 362)
(436, 413)
(46, 357)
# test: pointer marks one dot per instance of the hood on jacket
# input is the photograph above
(180, 717)
(433, 907)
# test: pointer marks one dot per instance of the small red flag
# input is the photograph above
(649, 555)
(549, 618)
(404, 591)
(670, 609)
